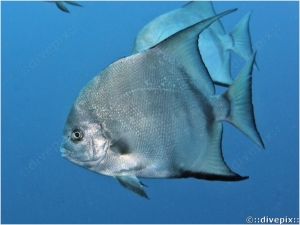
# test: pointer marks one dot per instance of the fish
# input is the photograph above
(61, 5)
(155, 114)
(214, 43)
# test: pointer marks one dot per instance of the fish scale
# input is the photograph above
(151, 117)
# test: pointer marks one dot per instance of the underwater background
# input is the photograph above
(47, 58)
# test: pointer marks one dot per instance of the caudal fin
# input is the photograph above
(239, 95)
(242, 40)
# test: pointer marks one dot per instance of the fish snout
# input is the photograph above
(65, 152)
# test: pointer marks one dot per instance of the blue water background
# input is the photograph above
(48, 56)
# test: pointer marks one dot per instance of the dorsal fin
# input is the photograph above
(205, 8)
(183, 46)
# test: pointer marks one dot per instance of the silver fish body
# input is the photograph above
(154, 114)
(154, 108)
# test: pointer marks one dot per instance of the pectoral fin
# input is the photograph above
(121, 146)
(124, 144)
(132, 183)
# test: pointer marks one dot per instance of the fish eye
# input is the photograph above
(77, 135)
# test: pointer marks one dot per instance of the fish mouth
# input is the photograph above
(65, 152)
(69, 155)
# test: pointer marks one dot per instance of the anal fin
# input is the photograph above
(208, 176)
(211, 165)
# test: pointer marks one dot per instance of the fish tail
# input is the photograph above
(239, 96)
(242, 40)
